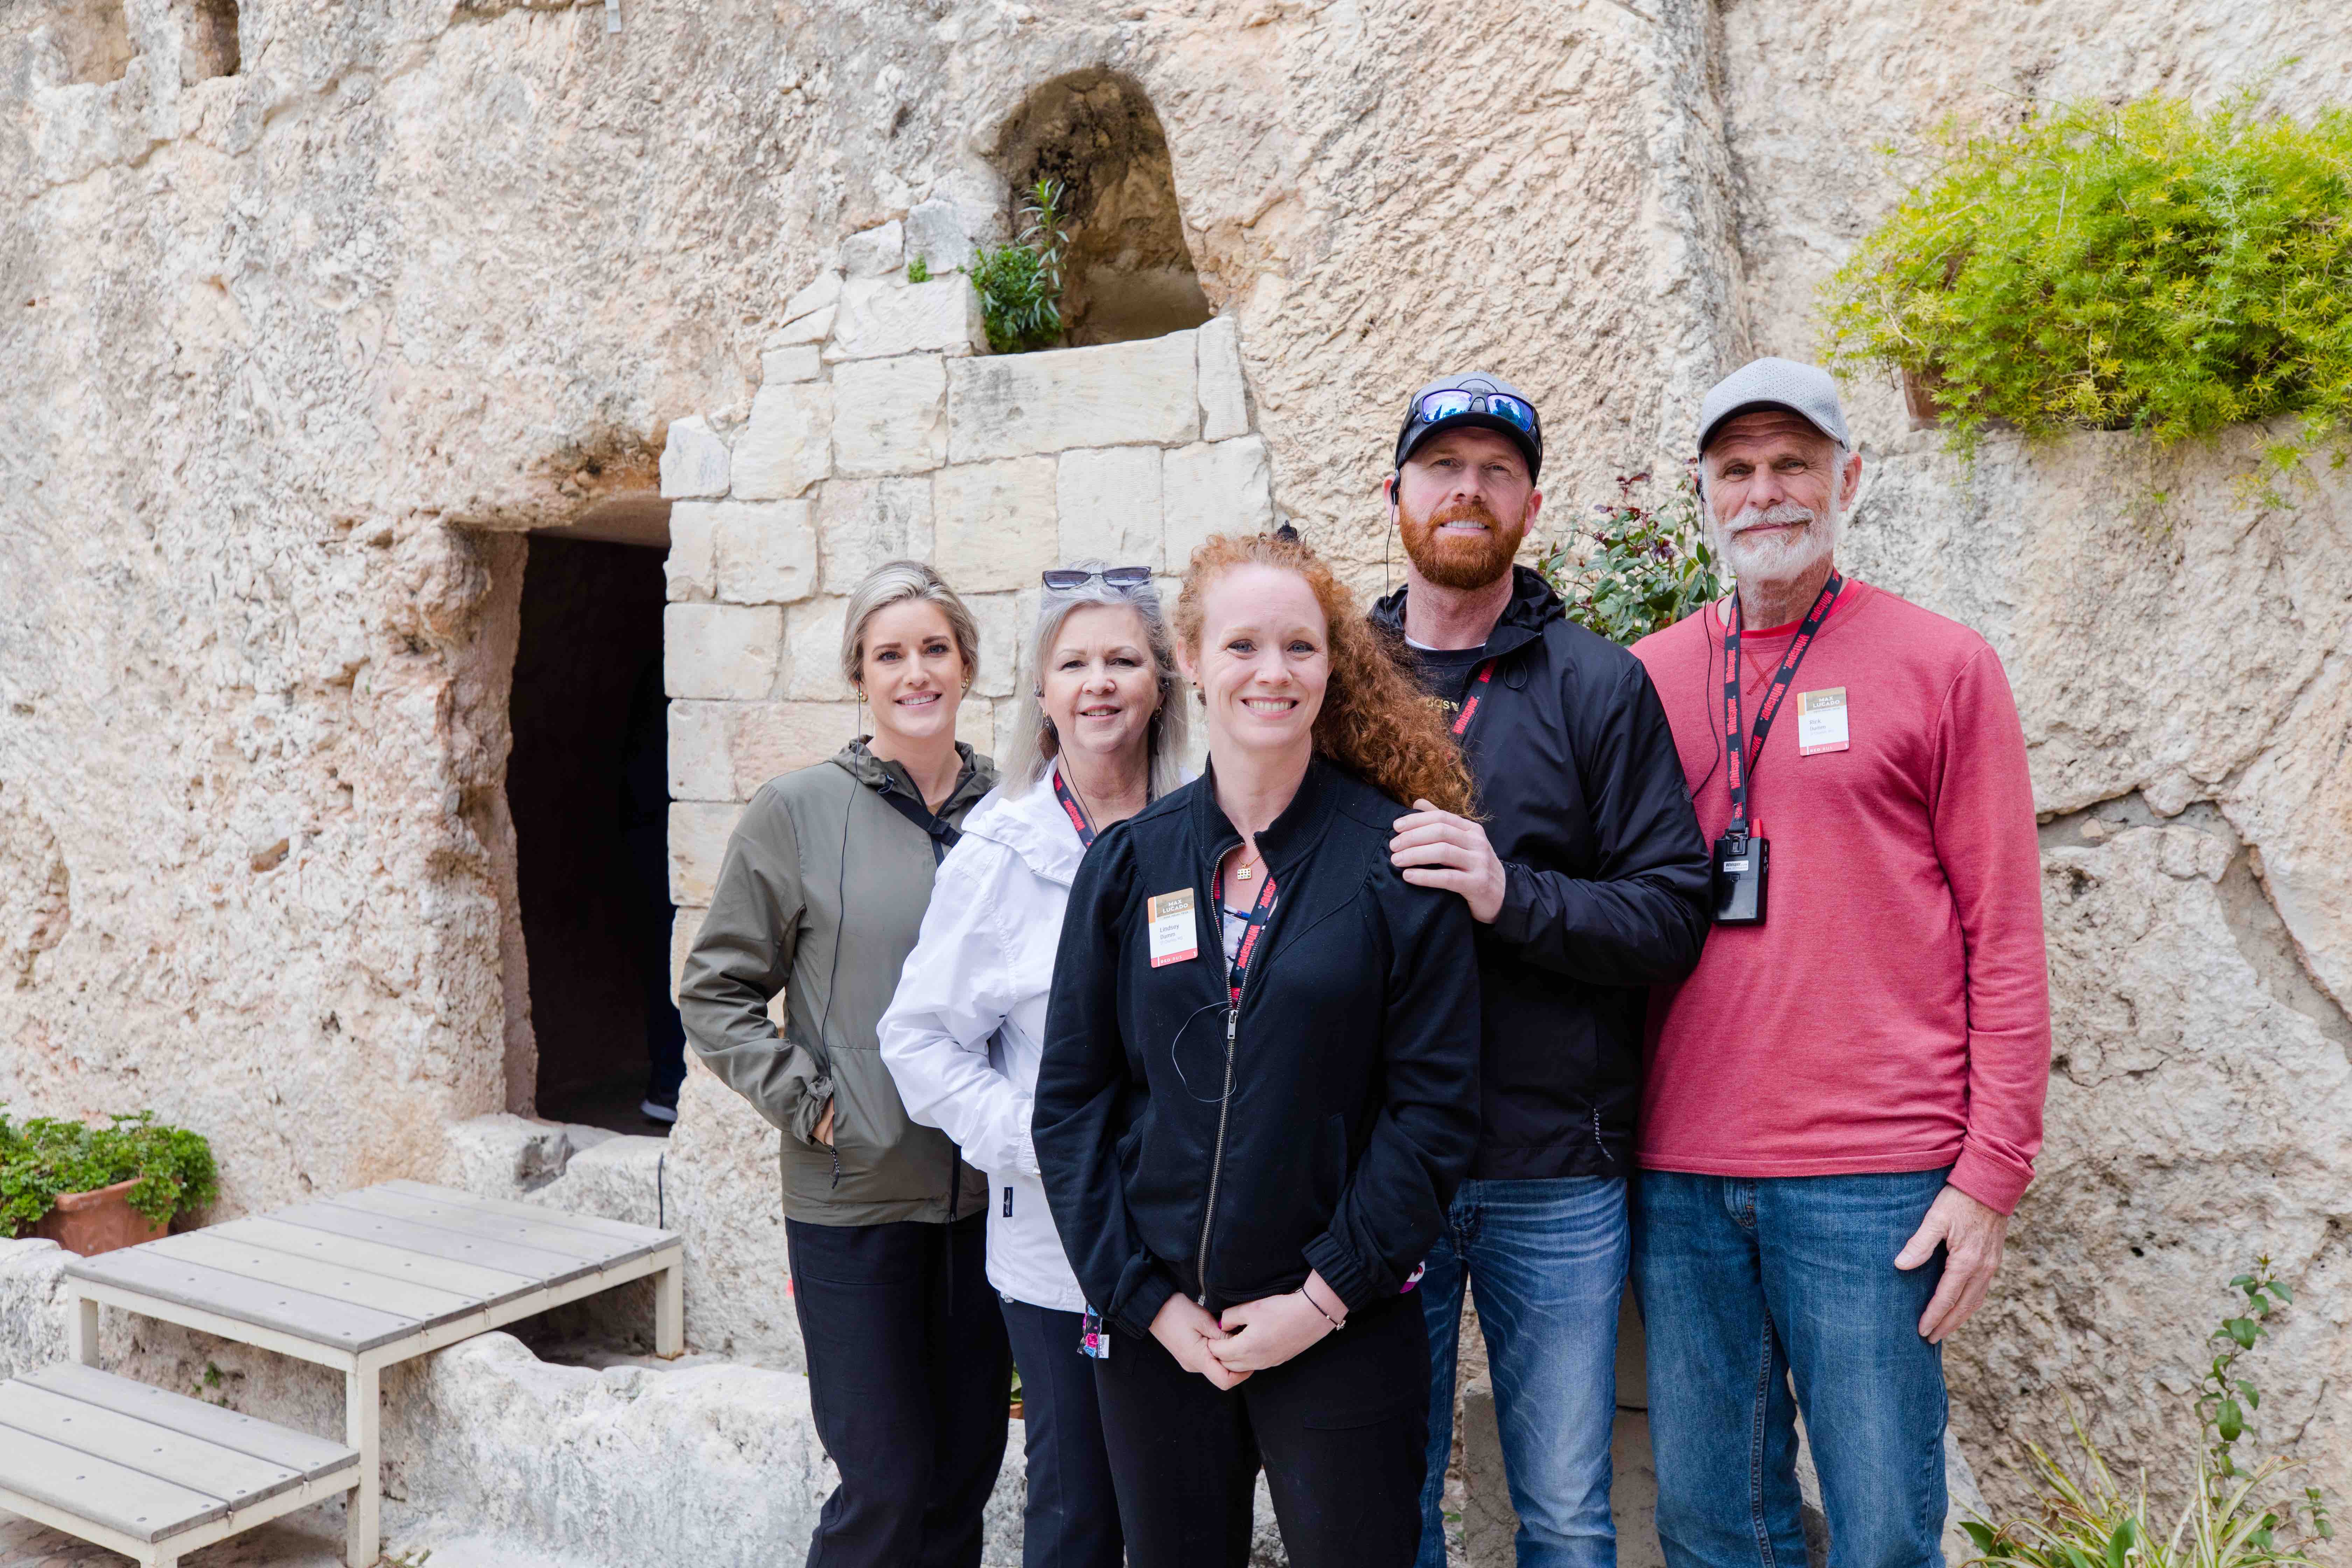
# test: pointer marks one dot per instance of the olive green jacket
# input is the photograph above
(820, 897)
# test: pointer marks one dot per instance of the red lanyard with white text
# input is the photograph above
(1260, 912)
(1078, 812)
(1741, 752)
(1477, 697)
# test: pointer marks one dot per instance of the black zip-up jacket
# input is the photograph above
(1605, 884)
(1352, 1105)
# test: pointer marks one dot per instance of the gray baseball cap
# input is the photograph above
(1807, 391)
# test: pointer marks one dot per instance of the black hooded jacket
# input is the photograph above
(1606, 883)
(1352, 1105)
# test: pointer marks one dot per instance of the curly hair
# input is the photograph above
(1375, 722)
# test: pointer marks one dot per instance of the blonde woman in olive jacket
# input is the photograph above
(820, 896)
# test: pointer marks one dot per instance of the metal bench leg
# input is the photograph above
(669, 1312)
(81, 1332)
(363, 1425)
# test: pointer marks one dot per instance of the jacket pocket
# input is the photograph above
(884, 1157)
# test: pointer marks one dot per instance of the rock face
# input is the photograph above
(308, 323)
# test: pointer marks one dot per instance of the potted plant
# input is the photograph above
(93, 1189)
(2147, 268)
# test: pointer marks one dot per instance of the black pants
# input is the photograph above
(908, 1377)
(1071, 1519)
(1340, 1429)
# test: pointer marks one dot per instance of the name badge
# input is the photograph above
(1821, 721)
(1175, 934)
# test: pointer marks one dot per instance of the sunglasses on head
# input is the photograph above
(1448, 402)
(1125, 579)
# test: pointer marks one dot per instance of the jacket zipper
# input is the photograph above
(1217, 1165)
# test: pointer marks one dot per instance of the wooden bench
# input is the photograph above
(366, 1280)
(149, 1473)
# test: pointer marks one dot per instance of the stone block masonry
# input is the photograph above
(880, 433)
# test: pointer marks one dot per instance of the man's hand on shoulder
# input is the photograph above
(1971, 1233)
(1435, 849)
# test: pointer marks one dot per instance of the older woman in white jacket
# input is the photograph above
(1101, 734)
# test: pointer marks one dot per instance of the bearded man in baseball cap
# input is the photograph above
(1589, 880)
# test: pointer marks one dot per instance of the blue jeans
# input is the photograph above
(1746, 1285)
(1548, 1261)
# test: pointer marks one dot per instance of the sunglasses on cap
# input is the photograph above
(1125, 579)
(1448, 402)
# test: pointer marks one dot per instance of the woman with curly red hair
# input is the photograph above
(1259, 1085)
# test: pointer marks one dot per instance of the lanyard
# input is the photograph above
(1470, 704)
(1260, 912)
(943, 834)
(1078, 812)
(1740, 757)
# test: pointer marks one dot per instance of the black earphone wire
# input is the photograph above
(833, 973)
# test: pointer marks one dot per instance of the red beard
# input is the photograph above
(1460, 560)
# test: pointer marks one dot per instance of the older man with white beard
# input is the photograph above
(1843, 1100)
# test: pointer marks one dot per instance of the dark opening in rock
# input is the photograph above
(1129, 273)
(587, 784)
(208, 40)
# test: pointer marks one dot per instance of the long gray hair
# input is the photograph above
(1032, 744)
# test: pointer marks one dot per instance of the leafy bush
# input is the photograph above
(1645, 569)
(2088, 1520)
(2137, 268)
(1019, 284)
(48, 1158)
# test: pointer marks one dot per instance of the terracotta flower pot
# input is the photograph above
(1919, 399)
(95, 1222)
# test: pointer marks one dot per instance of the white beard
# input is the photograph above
(1778, 557)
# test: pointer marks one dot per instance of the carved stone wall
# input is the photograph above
(293, 344)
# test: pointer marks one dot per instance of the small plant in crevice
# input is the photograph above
(1642, 569)
(2136, 268)
(2234, 1517)
(919, 269)
(1019, 284)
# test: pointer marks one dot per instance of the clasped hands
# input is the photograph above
(1250, 1337)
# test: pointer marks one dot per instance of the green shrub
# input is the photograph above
(1644, 570)
(1019, 284)
(46, 1158)
(2234, 1518)
(2137, 268)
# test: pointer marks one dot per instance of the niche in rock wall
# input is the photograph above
(208, 40)
(1129, 273)
(587, 785)
(94, 35)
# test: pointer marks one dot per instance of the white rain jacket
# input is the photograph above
(963, 1034)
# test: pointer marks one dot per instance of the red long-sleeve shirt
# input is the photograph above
(1892, 1012)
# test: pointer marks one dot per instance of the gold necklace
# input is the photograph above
(1244, 872)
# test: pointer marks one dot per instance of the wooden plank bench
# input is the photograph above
(149, 1473)
(369, 1278)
